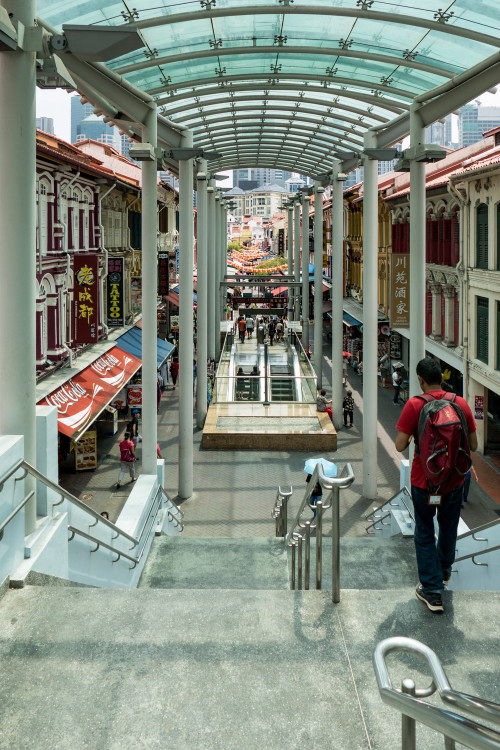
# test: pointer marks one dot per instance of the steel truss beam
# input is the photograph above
(216, 134)
(250, 154)
(391, 60)
(281, 162)
(320, 10)
(270, 121)
(274, 144)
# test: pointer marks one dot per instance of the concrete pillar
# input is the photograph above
(202, 295)
(318, 281)
(449, 315)
(337, 294)
(223, 261)
(289, 250)
(417, 251)
(149, 296)
(305, 271)
(186, 324)
(218, 267)
(17, 219)
(211, 268)
(296, 257)
(436, 333)
(370, 322)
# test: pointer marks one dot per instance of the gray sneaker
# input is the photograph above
(432, 600)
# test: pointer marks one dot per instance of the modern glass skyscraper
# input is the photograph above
(79, 112)
(247, 179)
(46, 124)
(474, 120)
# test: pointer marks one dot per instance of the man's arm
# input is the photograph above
(473, 441)
(402, 441)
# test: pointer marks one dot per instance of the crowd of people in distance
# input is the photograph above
(267, 331)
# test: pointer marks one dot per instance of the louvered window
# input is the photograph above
(482, 329)
(482, 236)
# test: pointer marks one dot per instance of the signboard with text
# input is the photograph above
(115, 292)
(163, 274)
(86, 298)
(479, 407)
(400, 290)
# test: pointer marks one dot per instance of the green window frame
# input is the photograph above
(482, 236)
(482, 325)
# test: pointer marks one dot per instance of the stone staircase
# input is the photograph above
(213, 652)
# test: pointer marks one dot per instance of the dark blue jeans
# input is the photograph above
(433, 559)
(397, 388)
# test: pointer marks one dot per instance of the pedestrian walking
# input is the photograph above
(250, 325)
(397, 379)
(385, 369)
(445, 432)
(133, 427)
(240, 384)
(242, 327)
(271, 329)
(279, 330)
(174, 372)
(345, 362)
(254, 383)
(127, 459)
(348, 407)
(316, 495)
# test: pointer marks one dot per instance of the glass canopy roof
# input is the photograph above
(290, 82)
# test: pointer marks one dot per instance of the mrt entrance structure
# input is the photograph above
(313, 87)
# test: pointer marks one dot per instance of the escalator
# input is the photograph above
(282, 388)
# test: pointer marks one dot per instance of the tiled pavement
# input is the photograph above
(234, 490)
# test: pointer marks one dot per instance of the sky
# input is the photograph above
(55, 104)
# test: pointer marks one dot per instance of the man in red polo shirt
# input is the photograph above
(433, 561)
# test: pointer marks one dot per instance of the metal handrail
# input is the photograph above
(294, 537)
(177, 507)
(379, 520)
(14, 513)
(471, 532)
(12, 470)
(452, 726)
(280, 511)
(477, 554)
(369, 515)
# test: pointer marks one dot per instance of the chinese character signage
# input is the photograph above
(281, 241)
(116, 292)
(400, 290)
(162, 274)
(86, 298)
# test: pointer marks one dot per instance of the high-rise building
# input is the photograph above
(388, 166)
(440, 133)
(46, 124)
(247, 179)
(474, 120)
(95, 128)
(79, 112)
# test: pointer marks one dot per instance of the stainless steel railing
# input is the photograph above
(300, 532)
(407, 700)
(280, 510)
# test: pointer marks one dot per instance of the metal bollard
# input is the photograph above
(307, 567)
(284, 515)
(319, 543)
(293, 545)
(408, 735)
(335, 545)
(299, 563)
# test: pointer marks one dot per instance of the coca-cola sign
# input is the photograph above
(85, 395)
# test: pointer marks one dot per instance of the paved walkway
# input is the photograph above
(234, 490)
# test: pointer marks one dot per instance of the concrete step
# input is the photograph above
(367, 563)
(89, 669)
(216, 563)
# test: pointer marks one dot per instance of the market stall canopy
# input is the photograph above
(131, 342)
(82, 398)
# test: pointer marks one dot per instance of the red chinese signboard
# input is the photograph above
(163, 284)
(86, 298)
(85, 395)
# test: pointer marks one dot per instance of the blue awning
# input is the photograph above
(350, 321)
(131, 342)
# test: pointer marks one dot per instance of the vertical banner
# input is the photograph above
(86, 298)
(281, 242)
(162, 274)
(115, 296)
(400, 290)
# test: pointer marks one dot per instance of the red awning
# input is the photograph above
(83, 397)
(172, 297)
(279, 290)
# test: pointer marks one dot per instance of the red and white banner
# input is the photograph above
(85, 395)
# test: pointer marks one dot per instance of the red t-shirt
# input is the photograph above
(408, 423)
(126, 450)
(174, 368)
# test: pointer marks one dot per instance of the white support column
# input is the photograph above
(370, 325)
(223, 261)
(318, 281)
(436, 332)
(337, 294)
(202, 295)
(417, 251)
(296, 260)
(149, 299)
(186, 323)
(17, 219)
(218, 269)
(305, 271)
(289, 250)
(211, 268)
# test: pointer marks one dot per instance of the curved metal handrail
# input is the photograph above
(451, 725)
(379, 520)
(471, 532)
(477, 554)
(14, 513)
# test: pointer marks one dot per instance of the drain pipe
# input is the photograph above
(105, 274)
(65, 346)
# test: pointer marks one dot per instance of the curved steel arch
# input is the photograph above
(394, 61)
(291, 166)
(301, 78)
(378, 101)
(320, 10)
(236, 127)
(220, 141)
(303, 166)
(303, 99)
(275, 146)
